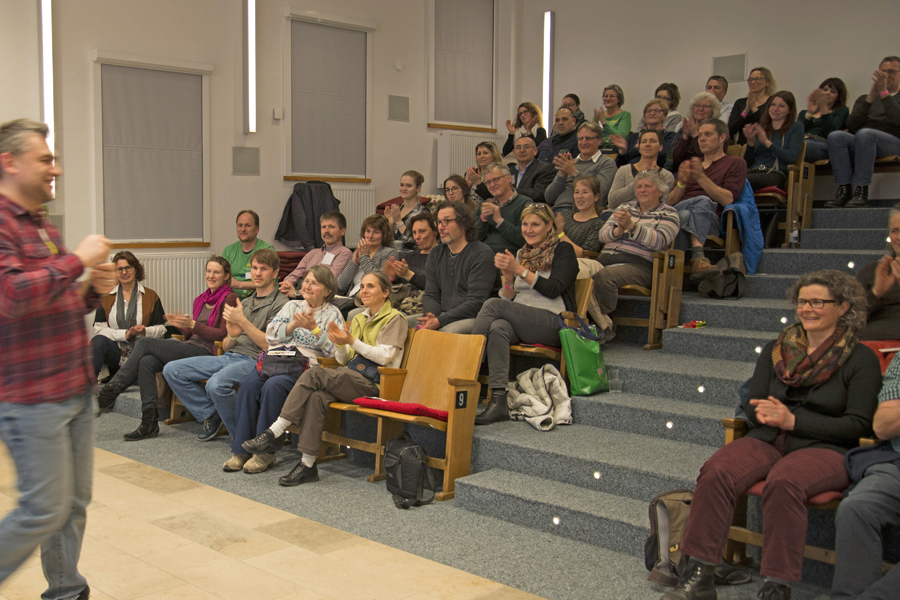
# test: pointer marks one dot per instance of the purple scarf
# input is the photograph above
(216, 298)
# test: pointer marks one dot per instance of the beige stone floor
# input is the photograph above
(154, 535)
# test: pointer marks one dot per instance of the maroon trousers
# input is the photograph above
(790, 480)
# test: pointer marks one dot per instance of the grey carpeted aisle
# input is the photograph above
(540, 563)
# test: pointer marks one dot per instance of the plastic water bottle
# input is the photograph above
(795, 234)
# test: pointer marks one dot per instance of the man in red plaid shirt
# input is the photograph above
(46, 378)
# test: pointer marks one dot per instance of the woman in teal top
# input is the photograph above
(826, 111)
(613, 119)
(774, 143)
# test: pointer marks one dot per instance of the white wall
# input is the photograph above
(20, 69)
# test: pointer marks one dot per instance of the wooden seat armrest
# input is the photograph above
(220, 348)
(390, 371)
(177, 336)
(866, 442)
(735, 429)
(328, 363)
(457, 382)
(392, 381)
(590, 254)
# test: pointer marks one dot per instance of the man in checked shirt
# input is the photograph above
(46, 378)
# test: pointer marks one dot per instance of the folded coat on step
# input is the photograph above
(540, 397)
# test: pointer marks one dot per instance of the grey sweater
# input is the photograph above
(456, 287)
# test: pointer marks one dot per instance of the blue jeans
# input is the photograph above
(52, 446)
(870, 506)
(186, 378)
(862, 148)
(698, 218)
(816, 151)
(259, 403)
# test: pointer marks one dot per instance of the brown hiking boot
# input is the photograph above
(701, 269)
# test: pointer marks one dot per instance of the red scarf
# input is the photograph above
(215, 297)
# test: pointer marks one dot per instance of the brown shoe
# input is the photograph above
(259, 463)
(701, 269)
(235, 463)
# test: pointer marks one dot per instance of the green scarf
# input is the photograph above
(369, 330)
(797, 368)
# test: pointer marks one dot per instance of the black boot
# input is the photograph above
(860, 197)
(841, 196)
(497, 410)
(108, 378)
(697, 583)
(106, 399)
(148, 428)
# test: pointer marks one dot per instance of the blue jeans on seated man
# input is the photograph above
(52, 446)
(186, 378)
(698, 217)
(259, 404)
(863, 148)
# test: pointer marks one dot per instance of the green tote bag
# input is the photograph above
(584, 358)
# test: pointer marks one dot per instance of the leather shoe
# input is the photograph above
(85, 593)
(106, 399)
(300, 474)
(860, 197)
(701, 269)
(497, 410)
(262, 444)
(841, 196)
(697, 583)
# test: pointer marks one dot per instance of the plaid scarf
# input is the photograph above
(539, 259)
(797, 368)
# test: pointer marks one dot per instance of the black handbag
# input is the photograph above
(408, 477)
(365, 367)
(281, 362)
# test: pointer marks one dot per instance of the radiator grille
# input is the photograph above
(456, 152)
(177, 278)
(356, 204)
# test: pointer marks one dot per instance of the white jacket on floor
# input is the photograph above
(539, 397)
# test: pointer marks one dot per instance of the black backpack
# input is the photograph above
(408, 476)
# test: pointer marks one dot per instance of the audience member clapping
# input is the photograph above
(411, 266)
(573, 103)
(398, 215)
(456, 189)
(630, 236)
(333, 254)
(611, 117)
(590, 161)
(718, 87)
(564, 139)
(300, 326)
(538, 284)
(650, 146)
(654, 114)
(374, 247)
(826, 111)
(125, 315)
(530, 176)
(774, 143)
(485, 154)
(581, 227)
(750, 110)
(703, 106)
(529, 121)
(668, 93)
(498, 220)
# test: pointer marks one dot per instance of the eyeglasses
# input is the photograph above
(755, 79)
(524, 146)
(445, 222)
(127, 269)
(813, 303)
(704, 106)
(890, 71)
(490, 182)
(524, 112)
(659, 97)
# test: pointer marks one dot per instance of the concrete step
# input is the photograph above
(603, 460)
(853, 218)
(768, 285)
(687, 378)
(798, 261)
(764, 314)
(654, 417)
(733, 344)
(844, 239)
(593, 517)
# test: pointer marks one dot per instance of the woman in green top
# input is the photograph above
(612, 118)
(826, 111)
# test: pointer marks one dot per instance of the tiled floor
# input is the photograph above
(154, 535)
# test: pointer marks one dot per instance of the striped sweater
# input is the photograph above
(653, 232)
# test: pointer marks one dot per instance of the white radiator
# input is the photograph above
(177, 278)
(456, 152)
(356, 204)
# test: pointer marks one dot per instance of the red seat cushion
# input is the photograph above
(771, 190)
(884, 358)
(554, 348)
(407, 408)
(817, 500)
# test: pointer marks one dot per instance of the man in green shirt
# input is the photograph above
(238, 254)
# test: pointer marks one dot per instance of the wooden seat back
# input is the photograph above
(666, 281)
(434, 358)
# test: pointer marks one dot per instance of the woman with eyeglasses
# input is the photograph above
(747, 111)
(485, 154)
(813, 394)
(774, 143)
(655, 113)
(703, 106)
(881, 280)
(611, 117)
(456, 189)
(581, 227)
(538, 284)
(529, 121)
(650, 145)
(826, 111)
(669, 94)
(129, 312)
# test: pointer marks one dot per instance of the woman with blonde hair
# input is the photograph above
(399, 213)
(485, 154)
(538, 284)
(747, 111)
(529, 121)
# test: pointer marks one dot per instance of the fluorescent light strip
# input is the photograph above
(251, 65)
(47, 68)
(548, 44)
